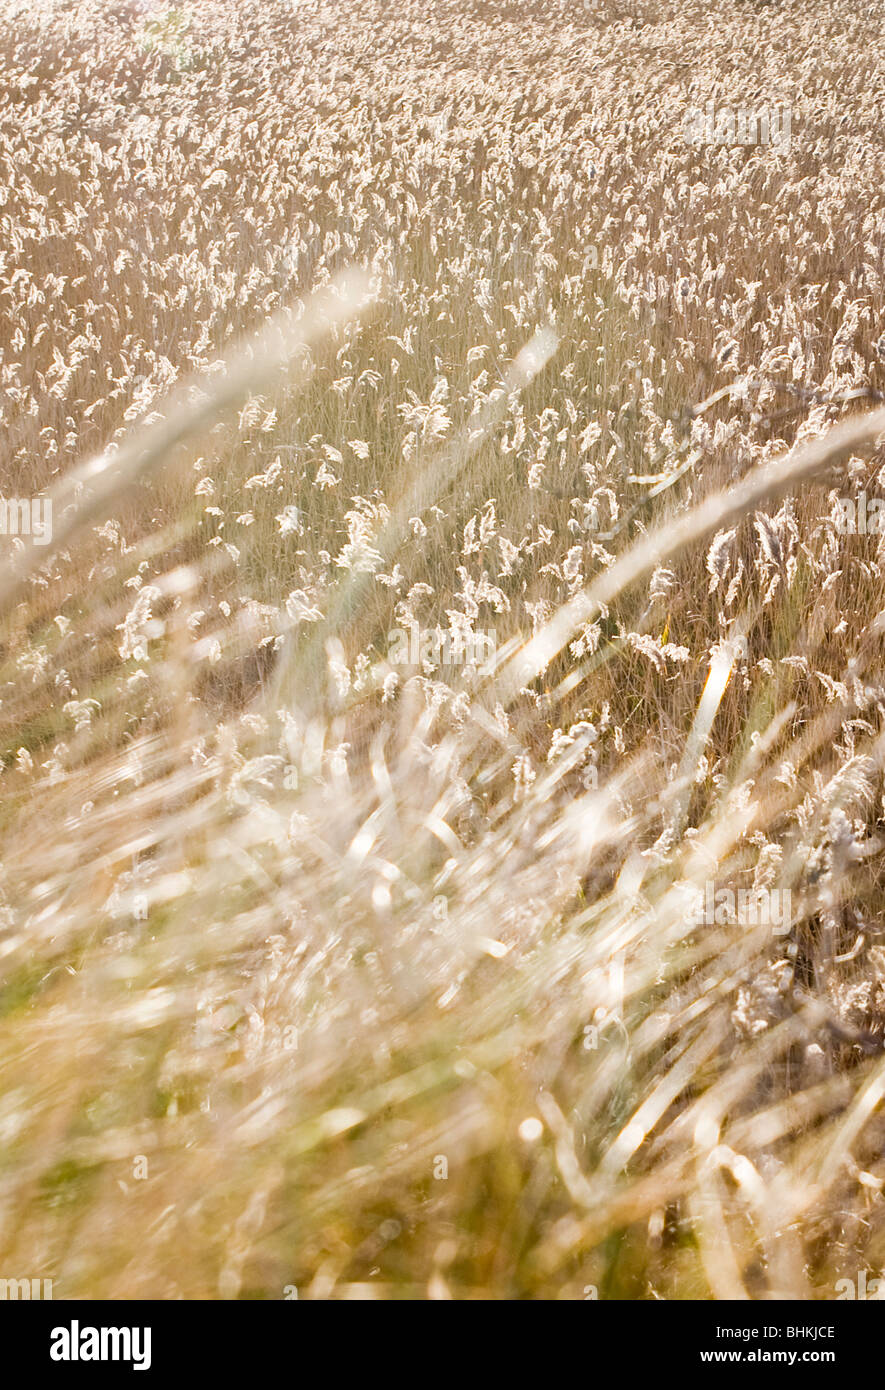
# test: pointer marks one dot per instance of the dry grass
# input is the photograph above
(321, 972)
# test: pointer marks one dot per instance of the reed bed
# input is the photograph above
(329, 974)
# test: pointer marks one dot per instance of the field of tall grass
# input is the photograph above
(346, 339)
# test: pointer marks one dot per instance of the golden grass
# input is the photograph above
(370, 981)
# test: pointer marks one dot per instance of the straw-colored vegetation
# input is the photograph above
(327, 973)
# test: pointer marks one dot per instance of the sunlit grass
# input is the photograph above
(324, 973)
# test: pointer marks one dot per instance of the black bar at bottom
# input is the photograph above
(89, 1338)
